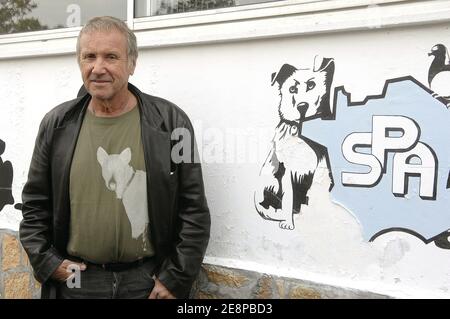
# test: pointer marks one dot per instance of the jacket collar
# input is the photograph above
(147, 108)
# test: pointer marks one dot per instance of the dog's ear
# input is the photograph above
(323, 64)
(286, 71)
(102, 156)
(125, 156)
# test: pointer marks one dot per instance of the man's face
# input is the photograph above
(104, 63)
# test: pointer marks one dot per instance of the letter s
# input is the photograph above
(351, 142)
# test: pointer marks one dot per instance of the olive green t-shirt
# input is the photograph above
(108, 191)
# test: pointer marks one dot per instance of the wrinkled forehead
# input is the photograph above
(112, 38)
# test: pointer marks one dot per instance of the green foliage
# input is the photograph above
(178, 6)
(13, 16)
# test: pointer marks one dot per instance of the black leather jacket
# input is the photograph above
(178, 212)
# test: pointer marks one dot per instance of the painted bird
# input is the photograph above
(439, 73)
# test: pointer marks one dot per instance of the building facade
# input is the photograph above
(337, 108)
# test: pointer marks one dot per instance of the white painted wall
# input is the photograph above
(224, 87)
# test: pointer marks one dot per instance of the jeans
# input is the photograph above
(97, 283)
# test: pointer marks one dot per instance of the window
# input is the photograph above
(147, 8)
(32, 15)
(61, 20)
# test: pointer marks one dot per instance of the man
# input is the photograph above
(103, 196)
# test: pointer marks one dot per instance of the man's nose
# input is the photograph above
(98, 66)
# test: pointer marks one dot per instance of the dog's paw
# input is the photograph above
(287, 225)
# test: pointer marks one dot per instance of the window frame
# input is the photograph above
(254, 21)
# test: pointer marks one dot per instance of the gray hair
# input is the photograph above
(107, 23)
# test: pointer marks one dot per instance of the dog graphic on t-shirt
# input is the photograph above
(129, 185)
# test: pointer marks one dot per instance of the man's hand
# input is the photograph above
(160, 291)
(64, 271)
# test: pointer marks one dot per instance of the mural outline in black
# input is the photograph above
(441, 240)
(273, 195)
(6, 178)
(440, 66)
(304, 95)
(439, 73)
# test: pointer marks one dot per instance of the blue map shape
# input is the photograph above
(376, 208)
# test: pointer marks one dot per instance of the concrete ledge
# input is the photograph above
(214, 282)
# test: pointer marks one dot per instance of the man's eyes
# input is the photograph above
(93, 57)
(89, 56)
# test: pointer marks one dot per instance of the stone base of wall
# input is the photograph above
(16, 279)
(216, 282)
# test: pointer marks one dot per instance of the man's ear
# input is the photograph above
(281, 76)
(132, 68)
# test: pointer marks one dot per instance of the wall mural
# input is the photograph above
(293, 158)
(387, 156)
(439, 73)
(6, 178)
